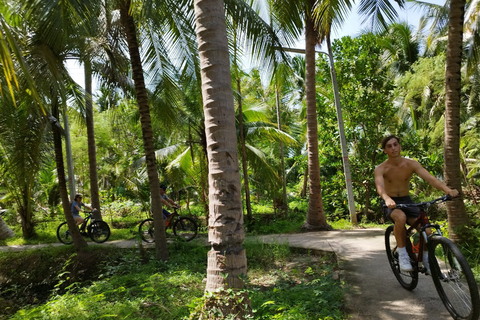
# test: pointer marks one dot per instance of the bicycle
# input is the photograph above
(183, 227)
(450, 271)
(98, 231)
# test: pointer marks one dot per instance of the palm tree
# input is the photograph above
(226, 258)
(145, 120)
(22, 152)
(402, 47)
(457, 215)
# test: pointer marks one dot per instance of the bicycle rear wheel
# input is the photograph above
(453, 279)
(63, 233)
(185, 228)
(408, 280)
(146, 230)
(99, 231)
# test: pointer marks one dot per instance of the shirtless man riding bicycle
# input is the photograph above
(392, 180)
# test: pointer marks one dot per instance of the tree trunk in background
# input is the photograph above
(68, 150)
(226, 259)
(303, 194)
(147, 132)
(244, 155)
(315, 219)
(457, 215)
(284, 207)
(78, 241)
(92, 151)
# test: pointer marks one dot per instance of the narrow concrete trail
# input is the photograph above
(373, 291)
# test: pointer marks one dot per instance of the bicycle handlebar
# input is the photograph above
(443, 198)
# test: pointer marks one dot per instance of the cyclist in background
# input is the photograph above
(77, 205)
(392, 180)
(166, 201)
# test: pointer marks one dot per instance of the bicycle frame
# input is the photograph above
(86, 220)
(421, 225)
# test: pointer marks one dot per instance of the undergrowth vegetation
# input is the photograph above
(104, 282)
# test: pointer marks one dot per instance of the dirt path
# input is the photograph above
(373, 291)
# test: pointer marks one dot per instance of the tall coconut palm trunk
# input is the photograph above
(226, 259)
(315, 219)
(244, 154)
(456, 209)
(284, 206)
(78, 241)
(92, 151)
(147, 132)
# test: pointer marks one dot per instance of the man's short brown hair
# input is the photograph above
(388, 138)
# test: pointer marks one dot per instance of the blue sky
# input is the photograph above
(411, 15)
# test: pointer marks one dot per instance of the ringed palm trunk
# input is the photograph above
(315, 219)
(92, 151)
(147, 132)
(244, 154)
(284, 208)
(226, 259)
(78, 241)
(457, 215)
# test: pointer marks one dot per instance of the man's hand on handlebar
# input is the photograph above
(452, 193)
(390, 203)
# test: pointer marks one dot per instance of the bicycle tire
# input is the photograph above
(99, 231)
(146, 230)
(407, 280)
(185, 228)
(453, 279)
(63, 233)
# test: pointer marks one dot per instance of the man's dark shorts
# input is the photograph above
(411, 212)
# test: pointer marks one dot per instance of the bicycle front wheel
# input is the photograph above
(185, 228)
(99, 231)
(408, 280)
(146, 231)
(453, 279)
(63, 233)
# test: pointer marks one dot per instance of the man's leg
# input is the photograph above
(400, 219)
(428, 231)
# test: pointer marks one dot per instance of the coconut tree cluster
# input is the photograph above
(166, 99)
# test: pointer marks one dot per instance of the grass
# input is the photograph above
(130, 284)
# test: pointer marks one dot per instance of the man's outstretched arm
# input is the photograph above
(434, 182)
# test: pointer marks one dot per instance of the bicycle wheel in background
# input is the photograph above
(63, 234)
(453, 279)
(99, 231)
(185, 228)
(146, 230)
(408, 280)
